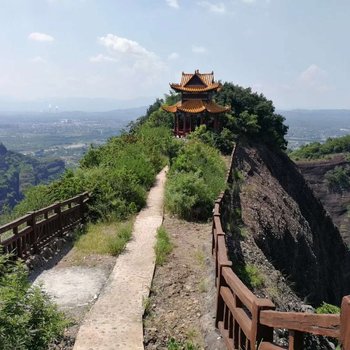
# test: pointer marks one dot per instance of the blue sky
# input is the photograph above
(296, 52)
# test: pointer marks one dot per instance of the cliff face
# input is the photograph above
(290, 225)
(335, 202)
(17, 172)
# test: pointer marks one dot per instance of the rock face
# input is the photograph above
(290, 225)
(18, 171)
(336, 203)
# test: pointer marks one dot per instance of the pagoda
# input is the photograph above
(196, 106)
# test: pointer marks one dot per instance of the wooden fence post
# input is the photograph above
(260, 332)
(59, 220)
(18, 242)
(345, 323)
(34, 239)
(82, 208)
(295, 340)
(220, 305)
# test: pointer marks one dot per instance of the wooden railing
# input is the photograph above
(246, 321)
(30, 233)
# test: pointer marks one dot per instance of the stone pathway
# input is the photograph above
(115, 320)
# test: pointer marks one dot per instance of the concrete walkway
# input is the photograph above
(115, 320)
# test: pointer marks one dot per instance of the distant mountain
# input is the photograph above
(17, 172)
(307, 126)
(123, 115)
(71, 104)
(322, 118)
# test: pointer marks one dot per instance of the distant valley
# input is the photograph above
(54, 141)
(66, 135)
(307, 126)
(18, 172)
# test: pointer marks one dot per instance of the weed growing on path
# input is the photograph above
(163, 246)
(176, 345)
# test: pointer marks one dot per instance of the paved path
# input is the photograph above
(115, 320)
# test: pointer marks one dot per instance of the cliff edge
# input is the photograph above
(289, 225)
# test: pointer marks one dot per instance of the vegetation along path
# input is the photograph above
(115, 320)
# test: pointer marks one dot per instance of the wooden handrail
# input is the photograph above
(26, 235)
(327, 325)
(247, 322)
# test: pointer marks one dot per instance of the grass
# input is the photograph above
(146, 303)
(328, 309)
(200, 257)
(177, 345)
(251, 276)
(163, 246)
(203, 285)
(105, 238)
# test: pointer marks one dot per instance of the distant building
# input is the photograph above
(196, 106)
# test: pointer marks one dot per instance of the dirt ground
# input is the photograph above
(182, 299)
(74, 282)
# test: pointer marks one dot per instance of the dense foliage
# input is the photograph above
(117, 175)
(338, 179)
(196, 177)
(252, 116)
(316, 150)
(28, 319)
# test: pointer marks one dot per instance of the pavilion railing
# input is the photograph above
(245, 321)
(29, 234)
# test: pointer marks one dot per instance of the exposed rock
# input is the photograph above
(290, 226)
(336, 203)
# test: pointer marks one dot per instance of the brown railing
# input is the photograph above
(30, 233)
(246, 321)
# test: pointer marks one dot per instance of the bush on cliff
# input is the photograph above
(316, 150)
(252, 116)
(195, 179)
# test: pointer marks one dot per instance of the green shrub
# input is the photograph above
(117, 175)
(250, 275)
(28, 319)
(338, 179)
(188, 196)
(328, 309)
(196, 177)
(316, 150)
(163, 246)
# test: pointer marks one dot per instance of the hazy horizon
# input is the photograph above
(292, 52)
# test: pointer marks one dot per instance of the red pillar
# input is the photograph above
(185, 126)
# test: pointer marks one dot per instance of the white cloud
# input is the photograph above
(173, 56)
(101, 58)
(312, 75)
(124, 46)
(213, 7)
(173, 3)
(38, 59)
(131, 55)
(42, 37)
(248, 1)
(198, 49)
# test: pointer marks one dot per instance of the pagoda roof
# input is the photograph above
(195, 107)
(197, 82)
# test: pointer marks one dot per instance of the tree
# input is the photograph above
(253, 114)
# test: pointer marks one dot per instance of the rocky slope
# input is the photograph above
(288, 225)
(335, 202)
(17, 172)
